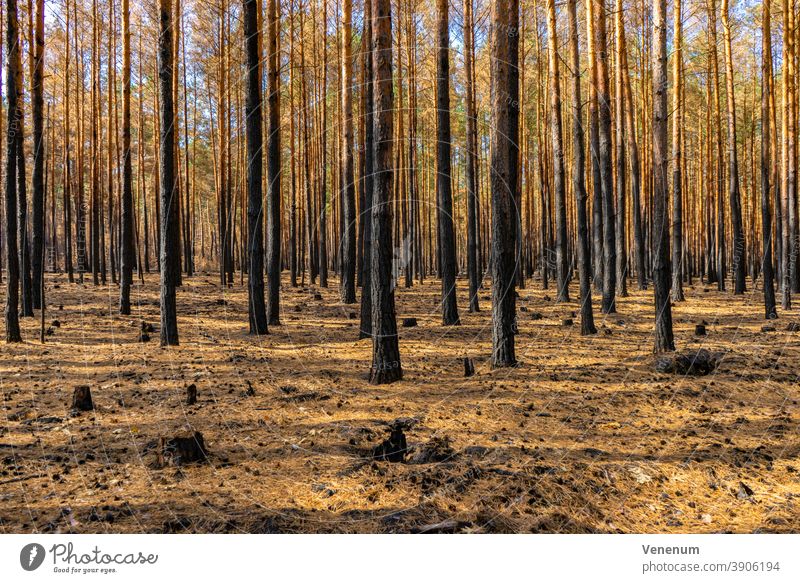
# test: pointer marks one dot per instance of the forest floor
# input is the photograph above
(584, 436)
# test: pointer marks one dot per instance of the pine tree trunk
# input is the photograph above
(39, 155)
(677, 160)
(473, 271)
(444, 195)
(255, 225)
(127, 256)
(557, 142)
(273, 166)
(504, 148)
(766, 165)
(386, 366)
(348, 196)
(170, 241)
(661, 264)
(578, 179)
(369, 168)
(13, 93)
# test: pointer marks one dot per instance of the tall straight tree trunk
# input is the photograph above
(444, 195)
(323, 211)
(273, 166)
(594, 150)
(606, 178)
(504, 168)
(39, 154)
(473, 271)
(386, 366)
(369, 169)
(67, 172)
(636, 179)
(677, 159)
(738, 259)
(13, 96)
(620, 235)
(348, 192)
(720, 174)
(661, 267)
(787, 159)
(766, 165)
(255, 202)
(578, 178)
(127, 256)
(170, 236)
(557, 142)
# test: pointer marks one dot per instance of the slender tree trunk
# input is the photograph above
(620, 236)
(766, 165)
(661, 267)
(13, 96)
(504, 148)
(255, 202)
(444, 195)
(273, 166)
(557, 142)
(369, 169)
(127, 256)
(170, 242)
(578, 178)
(605, 145)
(739, 267)
(348, 193)
(39, 155)
(473, 271)
(386, 366)
(677, 159)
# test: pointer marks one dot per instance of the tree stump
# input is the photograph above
(191, 394)
(700, 330)
(409, 322)
(567, 322)
(536, 316)
(181, 449)
(82, 398)
(392, 449)
(469, 367)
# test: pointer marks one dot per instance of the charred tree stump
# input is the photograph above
(191, 394)
(82, 399)
(181, 449)
(469, 367)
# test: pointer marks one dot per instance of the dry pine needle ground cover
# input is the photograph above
(585, 436)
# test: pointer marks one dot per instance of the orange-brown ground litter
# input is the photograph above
(585, 436)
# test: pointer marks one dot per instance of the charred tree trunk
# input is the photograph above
(13, 94)
(766, 165)
(444, 195)
(504, 167)
(255, 202)
(348, 192)
(127, 255)
(170, 236)
(578, 178)
(473, 271)
(273, 166)
(557, 142)
(677, 160)
(39, 154)
(661, 264)
(368, 178)
(386, 366)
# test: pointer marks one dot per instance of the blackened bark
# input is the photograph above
(472, 161)
(255, 202)
(557, 142)
(444, 195)
(273, 167)
(766, 215)
(504, 166)
(348, 192)
(127, 255)
(13, 93)
(386, 366)
(661, 263)
(39, 154)
(169, 201)
(584, 251)
(369, 168)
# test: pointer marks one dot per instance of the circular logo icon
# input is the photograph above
(31, 556)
